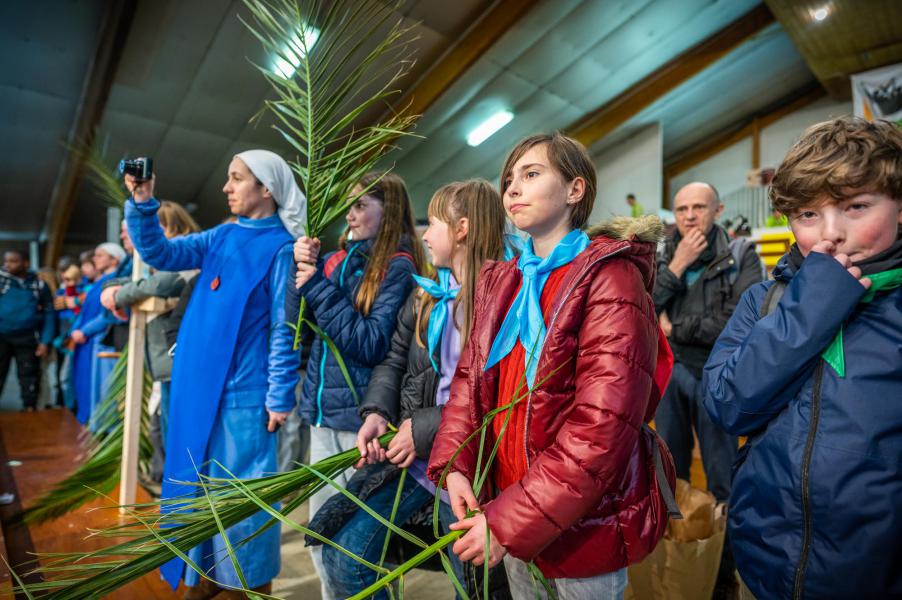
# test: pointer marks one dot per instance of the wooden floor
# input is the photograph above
(46, 445)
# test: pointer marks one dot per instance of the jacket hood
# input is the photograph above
(784, 271)
(633, 238)
(648, 229)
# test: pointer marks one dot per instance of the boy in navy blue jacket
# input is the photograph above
(27, 324)
(810, 368)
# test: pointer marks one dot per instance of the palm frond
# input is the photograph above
(362, 52)
(100, 472)
(102, 173)
(160, 531)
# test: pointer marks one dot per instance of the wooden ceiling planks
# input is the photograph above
(852, 36)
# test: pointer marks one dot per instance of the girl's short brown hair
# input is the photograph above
(839, 158)
(570, 159)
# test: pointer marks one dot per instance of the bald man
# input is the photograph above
(701, 275)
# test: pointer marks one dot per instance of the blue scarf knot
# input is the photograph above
(442, 291)
(524, 320)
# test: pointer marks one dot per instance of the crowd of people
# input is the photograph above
(550, 390)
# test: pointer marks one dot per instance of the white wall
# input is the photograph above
(778, 137)
(727, 169)
(633, 166)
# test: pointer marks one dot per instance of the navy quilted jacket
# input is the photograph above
(816, 506)
(362, 341)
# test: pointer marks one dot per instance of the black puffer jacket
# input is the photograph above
(700, 312)
(404, 385)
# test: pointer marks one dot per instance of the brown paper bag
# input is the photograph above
(684, 565)
(697, 507)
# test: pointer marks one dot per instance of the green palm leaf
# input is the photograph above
(101, 174)
(100, 472)
(153, 538)
(360, 55)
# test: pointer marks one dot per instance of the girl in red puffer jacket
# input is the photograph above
(565, 342)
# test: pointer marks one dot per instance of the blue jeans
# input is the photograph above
(680, 410)
(363, 536)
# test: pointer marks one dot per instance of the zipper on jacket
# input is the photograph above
(325, 353)
(547, 329)
(806, 480)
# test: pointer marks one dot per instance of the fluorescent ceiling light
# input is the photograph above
(487, 128)
(287, 63)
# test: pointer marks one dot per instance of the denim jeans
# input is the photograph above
(680, 410)
(363, 536)
(609, 586)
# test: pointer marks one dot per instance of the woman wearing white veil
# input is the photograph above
(234, 372)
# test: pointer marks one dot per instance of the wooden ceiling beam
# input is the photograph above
(96, 91)
(742, 129)
(468, 48)
(611, 115)
(853, 36)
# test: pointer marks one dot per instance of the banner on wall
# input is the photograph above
(877, 94)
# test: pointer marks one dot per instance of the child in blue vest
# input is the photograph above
(810, 368)
(354, 296)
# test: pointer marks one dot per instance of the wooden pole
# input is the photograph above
(134, 387)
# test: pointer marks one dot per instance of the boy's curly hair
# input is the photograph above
(839, 158)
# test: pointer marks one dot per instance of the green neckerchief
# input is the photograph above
(885, 280)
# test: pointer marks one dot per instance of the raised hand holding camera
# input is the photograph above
(139, 177)
(141, 191)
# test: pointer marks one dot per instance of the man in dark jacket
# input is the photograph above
(701, 275)
(27, 324)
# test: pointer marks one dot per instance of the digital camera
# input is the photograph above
(139, 168)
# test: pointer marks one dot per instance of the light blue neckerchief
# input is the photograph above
(513, 246)
(442, 292)
(524, 320)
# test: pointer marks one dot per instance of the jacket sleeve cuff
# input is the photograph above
(310, 289)
(145, 208)
(370, 409)
(670, 279)
(280, 403)
(424, 426)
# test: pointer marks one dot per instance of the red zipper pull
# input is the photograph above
(214, 285)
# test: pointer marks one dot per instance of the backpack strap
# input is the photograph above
(336, 258)
(333, 262)
(738, 247)
(772, 298)
(670, 503)
(406, 255)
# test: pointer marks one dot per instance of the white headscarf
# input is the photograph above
(114, 250)
(276, 175)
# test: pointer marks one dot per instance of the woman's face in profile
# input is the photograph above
(246, 197)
